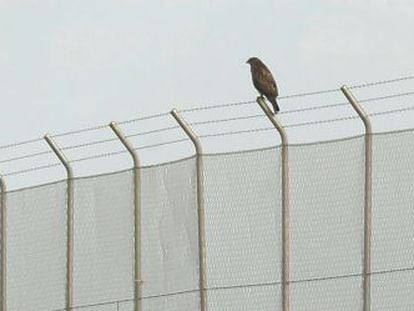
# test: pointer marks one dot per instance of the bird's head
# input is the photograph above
(253, 60)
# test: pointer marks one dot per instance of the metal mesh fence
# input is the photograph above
(243, 214)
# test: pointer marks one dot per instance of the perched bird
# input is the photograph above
(263, 81)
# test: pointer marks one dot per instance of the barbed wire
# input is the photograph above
(21, 143)
(114, 153)
(98, 156)
(373, 99)
(88, 129)
(27, 156)
(327, 106)
(228, 133)
(382, 82)
(171, 142)
(35, 168)
(253, 130)
(154, 116)
(93, 128)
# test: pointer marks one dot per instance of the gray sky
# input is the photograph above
(66, 65)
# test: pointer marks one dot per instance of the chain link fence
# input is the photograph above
(235, 201)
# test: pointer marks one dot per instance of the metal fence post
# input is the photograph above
(3, 212)
(201, 209)
(368, 196)
(137, 212)
(70, 220)
(285, 205)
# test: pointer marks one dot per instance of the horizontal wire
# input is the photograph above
(27, 156)
(102, 141)
(92, 143)
(321, 121)
(253, 130)
(88, 129)
(98, 127)
(158, 115)
(109, 154)
(251, 285)
(25, 142)
(241, 103)
(376, 83)
(98, 156)
(164, 129)
(227, 119)
(36, 168)
(373, 99)
(380, 113)
(328, 91)
(162, 144)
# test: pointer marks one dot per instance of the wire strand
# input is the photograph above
(154, 116)
(88, 129)
(27, 156)
(376, 83)
(36, 168)
(25, 142)
(253, 130)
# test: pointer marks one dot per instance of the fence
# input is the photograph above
(323, 225)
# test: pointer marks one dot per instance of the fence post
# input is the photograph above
(3, 212)
(285, 205)
(70, 220)
(368, 195)
(201, 209)
(137, 212)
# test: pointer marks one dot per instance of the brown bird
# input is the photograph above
(263, 81)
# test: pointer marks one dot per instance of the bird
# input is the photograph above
(263, 81)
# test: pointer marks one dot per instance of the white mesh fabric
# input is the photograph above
(243, 223)
(104, 235)
(36, 258)
(393, 219)
(327, 204)
(170, 236)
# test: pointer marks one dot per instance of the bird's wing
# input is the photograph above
(267, 82)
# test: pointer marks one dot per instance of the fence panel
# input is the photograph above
(243, 223)
(327, 204)
(36, 262)
(103, 244)
(393, 219)
(243, 233)
(169, 231)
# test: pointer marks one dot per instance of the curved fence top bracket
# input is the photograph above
(275, 121)
(61, 156)
(358, 108)
(188, 130)
(134, 154)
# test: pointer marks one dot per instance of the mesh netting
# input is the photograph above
(393, 219)
(103, 244)
(243, 224)
(243, 233)
(36, 265)
(170, 240)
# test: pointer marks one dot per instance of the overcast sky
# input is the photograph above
(71, 64)
(66, 65)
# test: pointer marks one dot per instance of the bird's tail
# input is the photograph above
(275, 105)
